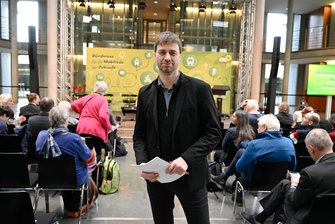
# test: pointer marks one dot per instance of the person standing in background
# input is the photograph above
(177, 121)
(94, 116)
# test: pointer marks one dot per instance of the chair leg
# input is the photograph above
(254, 204)
(81, 204)
(46, 195)
(223, 200)
(237, 187)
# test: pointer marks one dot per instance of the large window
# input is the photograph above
(276, 27)
(27, 15)
(4, 20)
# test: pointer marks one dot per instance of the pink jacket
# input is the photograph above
(94, 116)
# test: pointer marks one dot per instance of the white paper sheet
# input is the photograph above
(158, 165)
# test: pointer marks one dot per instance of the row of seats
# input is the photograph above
(54, 174)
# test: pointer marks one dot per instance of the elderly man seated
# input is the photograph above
(291, 200)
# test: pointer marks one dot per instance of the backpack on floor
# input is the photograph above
(111, 175)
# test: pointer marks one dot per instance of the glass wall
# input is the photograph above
(4, 13)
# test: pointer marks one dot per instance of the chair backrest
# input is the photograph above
(31, 149)
(322, 209)
(14, 171)
(267, 174)
(10, 143)
(57, 173)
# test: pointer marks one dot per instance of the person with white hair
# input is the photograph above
(269, 146)
(94, 116)
(67, 105)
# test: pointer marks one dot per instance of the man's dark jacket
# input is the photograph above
(196, 128)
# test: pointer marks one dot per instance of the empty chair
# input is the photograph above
(10, 143)
(322, 210)
(14, 172)
(16, 208)
(59, 173)
(265, 176)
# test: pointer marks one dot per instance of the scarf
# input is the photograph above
(50, 148)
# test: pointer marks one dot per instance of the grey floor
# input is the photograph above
(131, 204)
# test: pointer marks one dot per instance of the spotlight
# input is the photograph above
(202, 6)
(82, 3)
(173, 6)
(232, 8)
(142, 5)
(111, 4)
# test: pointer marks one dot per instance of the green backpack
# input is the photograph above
(111, 176)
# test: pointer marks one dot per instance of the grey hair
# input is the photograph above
(252, 105)
(167, 37)
(270, 121)
(100, 87)
(4, 98)
(58, 117)
(320, 139)
(65, 104)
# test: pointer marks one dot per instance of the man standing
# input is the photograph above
(292, 199)
(177, 121)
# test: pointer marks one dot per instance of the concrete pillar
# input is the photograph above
(258, 49)
(14, 50)
(287, 56)
(52, 49)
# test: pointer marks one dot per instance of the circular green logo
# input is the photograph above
(147, 77)
(100, 77)
(148, 54)
(136, 62)
(122, 72)
(155, 67)
(190, 61)
(214, 72)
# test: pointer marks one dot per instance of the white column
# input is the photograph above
(14, 51)
(258, 50)
(287, 56)
(52, 48)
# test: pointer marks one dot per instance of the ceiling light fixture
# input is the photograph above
(82, 3)
(232, 8)
(173, 6)
(202, 6)
(111, 4)
(142, 5)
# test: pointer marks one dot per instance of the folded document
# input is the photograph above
(158, 165)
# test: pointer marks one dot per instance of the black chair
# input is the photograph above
(59, 174)
(265, 176)
(302, 155)
(31, 149)
(10, 143)
(322, 210)
(14, 172)
(16, 208)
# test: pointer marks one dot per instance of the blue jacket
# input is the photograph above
(268, 147)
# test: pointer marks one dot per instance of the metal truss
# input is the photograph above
(65, 49)
(246, 51)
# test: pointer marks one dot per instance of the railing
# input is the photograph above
(313, 38)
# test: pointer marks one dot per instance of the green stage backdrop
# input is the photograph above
(126, 70)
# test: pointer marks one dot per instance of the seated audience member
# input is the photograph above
(252, 107)
(5, 114)
(291, 200)
(285, 118)
(332, 133)
(40, 122)
(32, 108)
(306, 110)
(69, 144)
(7, 100)
(297, 115)
(72, 118)
(234, 139)
(269, 146)
(309, 121)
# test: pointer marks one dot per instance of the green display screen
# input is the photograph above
(321, 80)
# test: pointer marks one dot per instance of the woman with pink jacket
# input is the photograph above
(94, 116)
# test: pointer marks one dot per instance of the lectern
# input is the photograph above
(220, 90)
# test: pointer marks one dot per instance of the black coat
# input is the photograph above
(196, 128)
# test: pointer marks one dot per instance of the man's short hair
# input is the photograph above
(167, 37)
(270, 121)
(46, 104)
(320, 139)
(252, 105)
(7, 111)
(313, 117)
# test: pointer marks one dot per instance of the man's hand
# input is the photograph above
(178, 166)
(152, 177)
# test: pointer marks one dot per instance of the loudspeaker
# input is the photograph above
(33, 67)
(271, 93)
